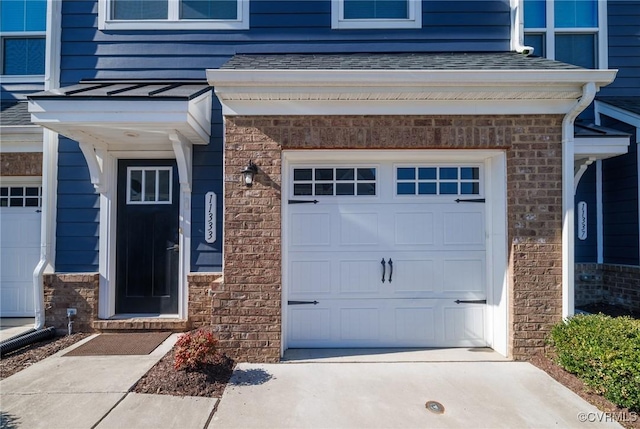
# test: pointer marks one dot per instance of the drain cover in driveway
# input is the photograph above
(435, 407)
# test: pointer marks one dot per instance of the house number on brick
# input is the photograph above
(210, 217)
(582, 220)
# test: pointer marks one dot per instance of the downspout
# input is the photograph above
(517, 29)
(49, 163)
(568, 197)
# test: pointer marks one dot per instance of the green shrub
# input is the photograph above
(604, 352)
(195, 349)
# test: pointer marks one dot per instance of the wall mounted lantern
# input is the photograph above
(248, 173)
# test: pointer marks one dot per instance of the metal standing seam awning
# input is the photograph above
(126, 116)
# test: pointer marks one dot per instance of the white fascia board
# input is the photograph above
(257, 78)
(21, 138)
(400, 107)
(617, 113)
(600, 147)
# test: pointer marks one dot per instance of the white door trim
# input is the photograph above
(108, 228)
(496, 222)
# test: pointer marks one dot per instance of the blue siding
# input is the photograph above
(620, 204)
(624, 48)
(78, 213)
(282, 26)
(207, 176)
(587, 250)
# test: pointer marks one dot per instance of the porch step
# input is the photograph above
(141, 324)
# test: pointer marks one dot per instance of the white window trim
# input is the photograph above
(173, 22)
(550, 31)
(338, 22)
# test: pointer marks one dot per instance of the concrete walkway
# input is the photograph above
(92, 392)
(314, 389)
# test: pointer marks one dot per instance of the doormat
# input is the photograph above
(134, 343)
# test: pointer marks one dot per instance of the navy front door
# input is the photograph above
(147, 250)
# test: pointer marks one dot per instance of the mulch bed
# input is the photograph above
(208, 381)
(25, 357)
(570, 381)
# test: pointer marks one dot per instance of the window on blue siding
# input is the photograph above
(376, 9)
(23, 15)
(571, 36)
(205, 9)
(173, 14)
(353, 14)
(576, 13)
(578, 49)
(22, 37)
(23, 56)
(535, 13)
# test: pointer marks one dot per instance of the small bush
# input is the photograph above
(195, 349)
(604, 352)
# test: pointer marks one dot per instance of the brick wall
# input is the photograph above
(248, 313)
(588, 284)
(203, 291)
(621, 286)
(21, 164)
(79, 291)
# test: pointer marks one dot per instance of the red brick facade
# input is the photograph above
(608, 283)
(79, 291)
(21, 164)
(247, 308)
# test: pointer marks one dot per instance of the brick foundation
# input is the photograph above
(79, 291)
(247, 307)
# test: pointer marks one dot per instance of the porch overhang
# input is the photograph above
(504, 83)
(122, 117)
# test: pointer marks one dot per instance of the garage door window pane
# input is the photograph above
(344, 174)
(448, 188)
(344, 189)
(467, 188)
(469, 173)
(324, 188)
(302, 189)
(427, 173)
(324, 174)
(448, 173)
(427, 189)
(406, 173)
(406, 188)
(366, 188)
(366, 174)
(302, 174)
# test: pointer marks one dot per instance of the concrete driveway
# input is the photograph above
(365, 393)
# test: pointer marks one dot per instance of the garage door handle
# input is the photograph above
(470, 301)
(384, 269)
(390, 269)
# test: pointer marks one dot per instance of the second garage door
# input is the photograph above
(386, 255)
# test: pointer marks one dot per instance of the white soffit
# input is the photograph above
(264, 92)
(118, 121)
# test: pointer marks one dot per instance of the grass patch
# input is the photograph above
(604, 352)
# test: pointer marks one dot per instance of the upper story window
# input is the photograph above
(362, 14)
(571, 31)
(174, 14)
(22, 37)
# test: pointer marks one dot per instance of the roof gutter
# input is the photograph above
(568, 197)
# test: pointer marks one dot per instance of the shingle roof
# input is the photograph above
(14, 113)
(630, 104)
(399, 61)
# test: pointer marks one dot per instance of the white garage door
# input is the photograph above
(386, 255)
(20, 251)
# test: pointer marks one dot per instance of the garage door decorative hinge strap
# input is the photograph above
(302, 302)
(471, 200)
(303, 201)
(470, 301)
